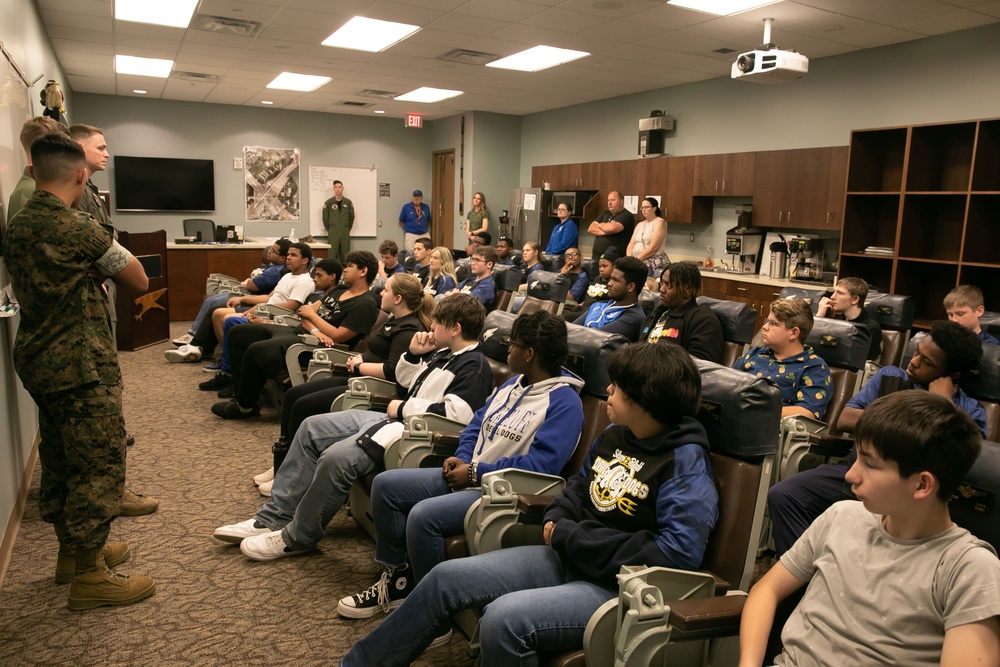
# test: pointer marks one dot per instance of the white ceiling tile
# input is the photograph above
(878, 37)
(238, 9)
(510, 10)
(393, 11)
(65, 32)
(620, 32)
(85, 7)
(892, 11)
(86, 47)
(991, 9)
(564, 20)
(948, 22)
(148, 30)
(667, 17)
(610, 10)
(131, 42)
(303, 36)
(77, 21)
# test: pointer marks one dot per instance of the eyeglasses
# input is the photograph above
(511, 344)
(771, 323)
(476, 259)
(572, 254)
(645, 206)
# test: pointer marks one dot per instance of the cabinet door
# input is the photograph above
(651, 179)
(772, 189)
(680, 192)
(834, 218)
(708, 175)
(738, 174)
(809, 176)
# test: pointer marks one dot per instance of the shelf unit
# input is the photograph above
(931, 193)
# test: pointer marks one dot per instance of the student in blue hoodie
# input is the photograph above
(645, 496)
(532, 422)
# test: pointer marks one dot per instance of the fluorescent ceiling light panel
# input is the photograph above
(362, 34)
(538, 58)
(721, 7)
(143, 66)
(174, 13)
(305, 83)
(428, 95)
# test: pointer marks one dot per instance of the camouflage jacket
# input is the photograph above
(64, 337)
(92, 204)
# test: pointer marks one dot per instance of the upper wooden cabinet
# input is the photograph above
(725, 175)
(801, 189)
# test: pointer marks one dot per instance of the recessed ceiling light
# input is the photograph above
(721, 7)
(266, 102)
(379, 110)
(139, 92)
(428, 95)
(305, 83)
(538, 58)
(143, 66)
(176, 13)
(363, 34)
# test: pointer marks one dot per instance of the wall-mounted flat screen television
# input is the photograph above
(164, 184)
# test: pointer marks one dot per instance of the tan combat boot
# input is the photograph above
(115, 553)
(134, 504)
(96, 586)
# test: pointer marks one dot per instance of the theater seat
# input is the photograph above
(894, 313)
(547, 291)
(738, 321)
(507, 280)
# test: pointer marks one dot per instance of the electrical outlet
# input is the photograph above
(237, 163)
(691, 238)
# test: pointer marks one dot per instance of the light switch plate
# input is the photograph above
(237, 163)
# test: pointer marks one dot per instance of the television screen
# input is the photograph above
(164, 184)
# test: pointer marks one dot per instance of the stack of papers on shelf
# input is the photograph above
(878, 250)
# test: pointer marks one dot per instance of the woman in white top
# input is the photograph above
(650, 238)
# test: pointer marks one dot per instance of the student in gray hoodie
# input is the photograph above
(533, 422)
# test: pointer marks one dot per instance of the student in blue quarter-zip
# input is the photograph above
(644, 496)
(622, 314)
(532, 422)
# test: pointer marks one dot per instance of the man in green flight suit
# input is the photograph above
(66, 358)
(338, 218)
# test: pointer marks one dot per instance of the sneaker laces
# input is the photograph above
(379, 591)
(274, 540)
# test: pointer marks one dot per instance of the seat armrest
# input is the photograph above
(721, 585)
(340, 369)
(533, 504)
(823, 444)
(381, 401)
(446, 439)
(720, 614)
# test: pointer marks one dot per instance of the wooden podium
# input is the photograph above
(144, 319)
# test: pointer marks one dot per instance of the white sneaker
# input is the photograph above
(268, 546)
(182, 340)
(443, 639)
(237, 532)
(265, 488)
(265, 476)
(185, 353)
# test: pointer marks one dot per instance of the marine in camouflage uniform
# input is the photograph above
(66, 358)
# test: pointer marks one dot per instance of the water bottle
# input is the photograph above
(292, 237)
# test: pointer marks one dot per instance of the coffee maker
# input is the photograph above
(806, 257)
(744, 241)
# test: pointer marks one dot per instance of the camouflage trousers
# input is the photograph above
(82, 450)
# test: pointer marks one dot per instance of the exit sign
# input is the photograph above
(414, 120)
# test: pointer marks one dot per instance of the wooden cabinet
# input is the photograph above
(794, 188)
(929, 195)
(755, 295)
(725, 175)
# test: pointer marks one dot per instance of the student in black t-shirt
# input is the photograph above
(680, 319)
(848, 303)
(344, 314)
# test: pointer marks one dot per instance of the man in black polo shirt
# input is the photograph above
(614, 227)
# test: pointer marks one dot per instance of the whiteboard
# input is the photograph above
(360, 186)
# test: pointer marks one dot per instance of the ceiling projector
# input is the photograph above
(769, 64)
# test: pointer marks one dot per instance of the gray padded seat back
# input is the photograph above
(975, 506)
(840, 343)
(649, 300)
(548, 286)
(462, 270)
(202, 226)
(590, 266)
(984, 383)
(891, 311)
(496, 335)
(553, 262)
(741, 413)
(507, 278)
(515, 255)
(990, 322)
(813, 296)
(738, 319)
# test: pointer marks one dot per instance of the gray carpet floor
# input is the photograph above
(212, 605)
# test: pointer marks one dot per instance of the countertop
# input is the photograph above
(761, 280)
(248, 244)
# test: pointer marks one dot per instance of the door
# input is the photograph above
(443, 203)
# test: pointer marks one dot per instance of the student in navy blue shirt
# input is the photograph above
(578, 278)
(480, 284)
(941, 359)
(389, 259)
(964, 305)
(622, 314)
(505, 248)
(564, 234)
(531, 261)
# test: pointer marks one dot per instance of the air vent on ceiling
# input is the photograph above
(360, 105)
(195, 76)
(229, 26)
(468, 57)
(725, 51)
(380, 94)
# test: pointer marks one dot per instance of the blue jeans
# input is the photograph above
(314, 481)
(414, 510)
(534, 602)
(230, 322)
(208, 306)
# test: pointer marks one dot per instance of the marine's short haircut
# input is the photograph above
(684, 277)
(79, 131)
(388, 247)
(364, 259)
(660, 379)
(304, 250)
(962, 348)
(338, 182)
(921, 431)
(546, 334)
(794, 313)
(855, 287)
(56, 158)
(969, 296)
(38, 127)
(634, 270)
(425, 242)
(488, 252)
(464, 310)
(283, 246)
(331, 267)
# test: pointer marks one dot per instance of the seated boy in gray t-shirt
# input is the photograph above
(891, 580)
